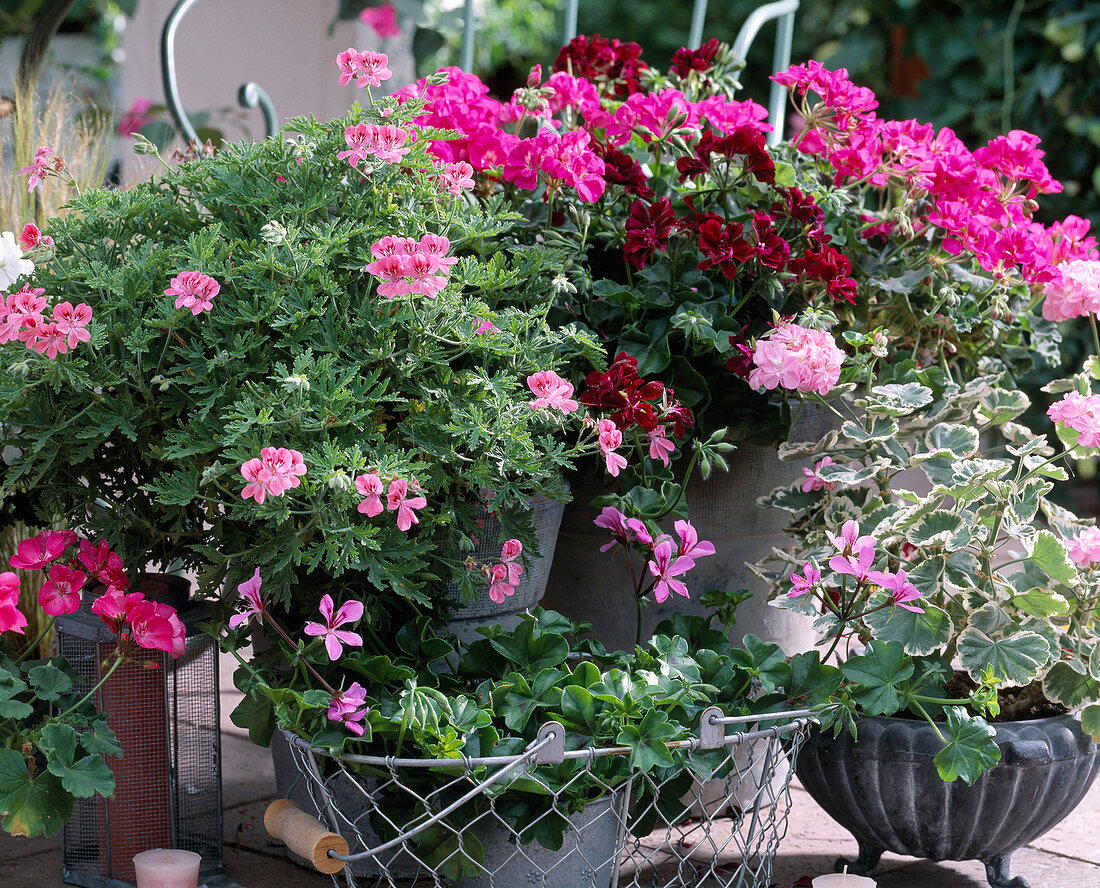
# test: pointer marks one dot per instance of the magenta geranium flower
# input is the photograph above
(615, 521)
(857, 565)
(398, 499)
(349, 707)
(11, 618)
(370, 485)
(41, 550)
(193, 290)
(690, 544)
(60, 594)
(900, 589)
(335, 637)
(666, 567)
(155, 626)
(805, 582)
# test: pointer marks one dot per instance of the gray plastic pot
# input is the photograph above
(590, 585)
(884, 789)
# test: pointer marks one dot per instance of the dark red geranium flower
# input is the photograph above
(724, 246)
(621, 169)
(801, 208)
(622, 390)
(740, 360)
(745, 143)
(685, 60)
(829, 266)
(771, 249)
(600, 60)
(647, 229)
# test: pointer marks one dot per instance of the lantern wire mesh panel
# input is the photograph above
(554, 818)
(168, 779)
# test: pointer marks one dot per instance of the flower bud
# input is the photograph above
(142, 145)
(534, 76)
(273, 233)
(339, 480)
(296, 384)
(439, 78)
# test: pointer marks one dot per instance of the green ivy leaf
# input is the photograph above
(876, 675)
(648, 741)
(1015, 659)
(812, 682)
(579, 707)
(257, 716)
(971, 747)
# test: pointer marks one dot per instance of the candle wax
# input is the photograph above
(167, 868)
(843, 880)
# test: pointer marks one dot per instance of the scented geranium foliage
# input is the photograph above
(923, 537)
(303, 354)
(688, 238)
(52, 738)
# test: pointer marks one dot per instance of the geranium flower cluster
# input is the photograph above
(397, 498)
(26, 322)
(551, 392)
(667, 558)
(366, 68)
(1085, 549)
(383, 142)
(152, 625)
(633, 401)
(275, 471)
(45, 163)
(193, 290)
(406, 266)
(1081, 413)
(554, 161)
(978, 201)
(504, 578)
(855, 557)
(796, 358)
(1074, 292)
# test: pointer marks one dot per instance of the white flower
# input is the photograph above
(12, 263)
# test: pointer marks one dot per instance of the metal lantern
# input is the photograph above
(165, 714)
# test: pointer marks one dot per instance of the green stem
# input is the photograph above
(119, 659)
(34, 644)
(929, 719)
(1095, 335)
(638, 632)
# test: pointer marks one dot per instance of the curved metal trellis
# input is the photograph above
(252, 95)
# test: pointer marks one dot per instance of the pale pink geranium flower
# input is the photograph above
(509, 553)
(849, 539)
(660, 447)
(254, 602)
(813, 479)
(457, 177)
(155, 626)
(484, 327)
(370, 485)
(805, 582)
(335, 637)
(277, 470)
(398, 499)
(11, 618)
(383, 19)
(360, 142)
(610, 440)
(900, 589)
(796, 358)
(389, 143)
(437, 246)
(193, 290)
(72, 321)
(499, 587)
(39, 168)
(551, 391)
(1080, 413)
(26, 304)
(41, 550)
(391, 269)
(857, 565)
(1085, 550)
(421, 269)
(666, 567)
(60, 594)
(1075, 291)
(49, 340)
(690, 545)
(372, 68)
(349, 707)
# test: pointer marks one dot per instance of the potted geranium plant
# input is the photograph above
(739, 275)
(957, 604)
(53, 738)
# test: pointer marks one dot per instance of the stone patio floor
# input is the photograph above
(1066, 857)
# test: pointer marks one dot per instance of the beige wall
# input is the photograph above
(283, 45)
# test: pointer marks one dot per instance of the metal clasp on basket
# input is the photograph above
(712, 733)
(552, 734)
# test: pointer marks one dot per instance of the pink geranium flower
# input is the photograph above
(383, 19)
(849, 541)
(813, 480)
(610, 439)
(49, 340)
(254, 602)
(11, 618)
(107, 566)
(457, 177)
(115, 606)
(805, 582)
(900, 589)
(857, 565)
(72, 321)
(349, 707)
(39, 168)
(31, 237)
(60, 594)
(277, 470)
(155, 626)
(1085, 550)
(334, 636)
(398, 499)
(660, 447)
(615, 521)
(499, 587)
(666, 567)
(370, 485)
(193, 290)
(41, 550)
(690, 544)
(484, 327)
(509, 552)
(551, 391)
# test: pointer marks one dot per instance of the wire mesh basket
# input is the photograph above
(557, 818)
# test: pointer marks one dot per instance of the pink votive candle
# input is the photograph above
(167, 868)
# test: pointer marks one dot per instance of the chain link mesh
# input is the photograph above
(715, 818)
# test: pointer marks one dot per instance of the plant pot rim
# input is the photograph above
(1074, 714)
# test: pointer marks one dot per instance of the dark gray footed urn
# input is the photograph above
(884, 789)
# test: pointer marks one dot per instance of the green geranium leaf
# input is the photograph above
(919, 634)
(86, 777)
(58, 743)
(971, 747)
(1015, 659)
(101, 740)
(31, 806)
(1090, 721)
(1068, 682)
(648, 741)
(949, 440)
(1040, 603)
(1000, 406)
(49, 682)
(257, 716)
(897, 399)
(940, 528)
(812, 681)
(882, 429)
(876, 675)
(1049, 554)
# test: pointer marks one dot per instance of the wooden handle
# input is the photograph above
(304, 835)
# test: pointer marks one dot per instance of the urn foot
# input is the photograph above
(998, 875)
(867, 862)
